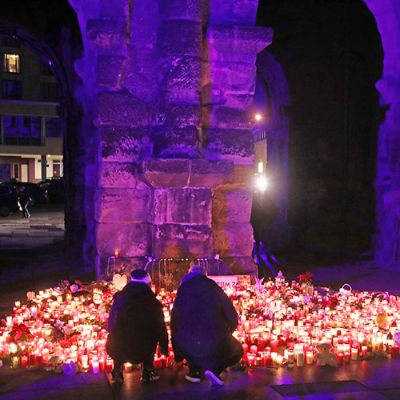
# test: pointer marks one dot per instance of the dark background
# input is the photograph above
(331, 53)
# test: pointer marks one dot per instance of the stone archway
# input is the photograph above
(57, 51)
(387, 186)
(272, 81)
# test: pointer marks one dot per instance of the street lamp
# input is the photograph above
(258, 117)
(261, 182)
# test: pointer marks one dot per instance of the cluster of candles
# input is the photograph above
(279, 323)
(286, 323)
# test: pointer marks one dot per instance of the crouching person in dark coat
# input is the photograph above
(202, 322)
(135, 325)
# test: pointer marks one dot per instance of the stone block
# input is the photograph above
(180, 37)
(238, 101)
(236, 145)
(175, 143)
(108, 35)
(208, 174)
(176, 241)
(182, 206)
(236, 79)
(242, 177)
(114, 9)
(182, 9)
(229, 12)
(181, 116)
(142, 75)
(231, 118)
(241, 265)
(125, 144)
(131, 239)
(166, 173)
(119, 175)
(109, 71)
(182, 83)
(231, 206)
(125, 205)
(233, 239)
(122, 109)
(238, 39)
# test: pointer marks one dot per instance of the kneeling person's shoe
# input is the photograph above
(149, 376)
(213, 378)
(193, 376)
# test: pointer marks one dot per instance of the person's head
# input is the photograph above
(141, 276)
(198, 269)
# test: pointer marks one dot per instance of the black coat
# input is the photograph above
(136, 324)
(203, 318)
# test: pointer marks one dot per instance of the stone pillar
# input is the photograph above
(164, 182)
(228, 86)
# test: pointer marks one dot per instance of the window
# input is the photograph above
(53, 128)
(24, 130)
(57, 168)
(11, 63)
(49, 91)
(11, 89)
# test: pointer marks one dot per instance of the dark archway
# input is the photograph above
(332, 56)
(272, 99)
(52, 32)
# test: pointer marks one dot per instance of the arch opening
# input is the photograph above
(331, 53)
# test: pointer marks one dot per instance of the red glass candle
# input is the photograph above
(24, 361)
(394, 351)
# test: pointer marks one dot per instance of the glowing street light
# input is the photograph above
(258, 117)
(261, 182)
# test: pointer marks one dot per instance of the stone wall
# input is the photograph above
(168, 90)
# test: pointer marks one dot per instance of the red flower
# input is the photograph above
(305, 278)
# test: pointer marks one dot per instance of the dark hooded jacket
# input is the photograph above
(136, 324)
(203, 318)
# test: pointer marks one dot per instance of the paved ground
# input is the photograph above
(44, 227)
(35, 267)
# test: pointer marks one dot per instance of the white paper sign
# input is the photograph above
(230, 281)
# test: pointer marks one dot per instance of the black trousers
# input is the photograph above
(229, 354)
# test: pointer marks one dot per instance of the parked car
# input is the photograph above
(8, 200)
(35, 192)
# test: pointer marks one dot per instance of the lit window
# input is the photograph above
(11, 63)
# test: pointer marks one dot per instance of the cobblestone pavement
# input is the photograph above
(44, 227)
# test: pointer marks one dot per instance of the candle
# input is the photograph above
(394, 351)
(300, 359)
(85, 361)
(354, 353)
(128, 367)
(279, 359)
(24, 361)
(95, 365)
(109, 364)
(309, 357)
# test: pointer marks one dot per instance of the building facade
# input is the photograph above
(31, 136)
